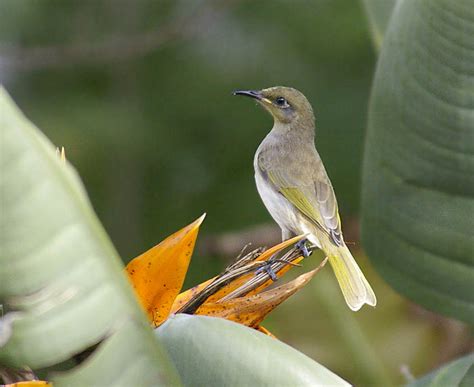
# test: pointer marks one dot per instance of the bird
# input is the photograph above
(295, 188)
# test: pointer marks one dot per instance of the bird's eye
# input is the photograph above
(280, 101)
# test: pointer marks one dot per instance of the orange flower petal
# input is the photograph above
(158, 274)
(251, 310)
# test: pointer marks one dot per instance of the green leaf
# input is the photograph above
(61, 280)
(418, 174)
(456, 373)
(378, 13)
(211, 351)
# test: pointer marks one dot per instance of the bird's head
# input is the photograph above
(285, 104)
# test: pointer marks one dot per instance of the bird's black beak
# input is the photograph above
(249, 93)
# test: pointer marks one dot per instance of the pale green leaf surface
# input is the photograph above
(418, 175)
(60, 275)
(106, 368)
(215, 352)
(453, 374)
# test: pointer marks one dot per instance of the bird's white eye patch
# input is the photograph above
(281, 102)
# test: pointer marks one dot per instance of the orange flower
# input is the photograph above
(237, 295)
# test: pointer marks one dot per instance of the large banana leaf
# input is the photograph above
(418, 178)
(61, 280)
(210, 351)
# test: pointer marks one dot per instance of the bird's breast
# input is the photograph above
(280, 209)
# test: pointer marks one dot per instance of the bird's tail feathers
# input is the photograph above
(354, 286)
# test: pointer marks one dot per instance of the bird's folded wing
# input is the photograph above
(315, 198)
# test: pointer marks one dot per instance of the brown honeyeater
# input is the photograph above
(296, 190)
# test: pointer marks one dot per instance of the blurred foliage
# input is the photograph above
(459, 372)
(395, 341)
(158, 139)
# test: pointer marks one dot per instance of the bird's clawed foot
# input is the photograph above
(301, 246)
(270, 265)
(267, 268)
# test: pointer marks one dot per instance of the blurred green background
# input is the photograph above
(139, 94)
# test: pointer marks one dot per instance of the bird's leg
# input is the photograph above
(301, 246)
(267, 265)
